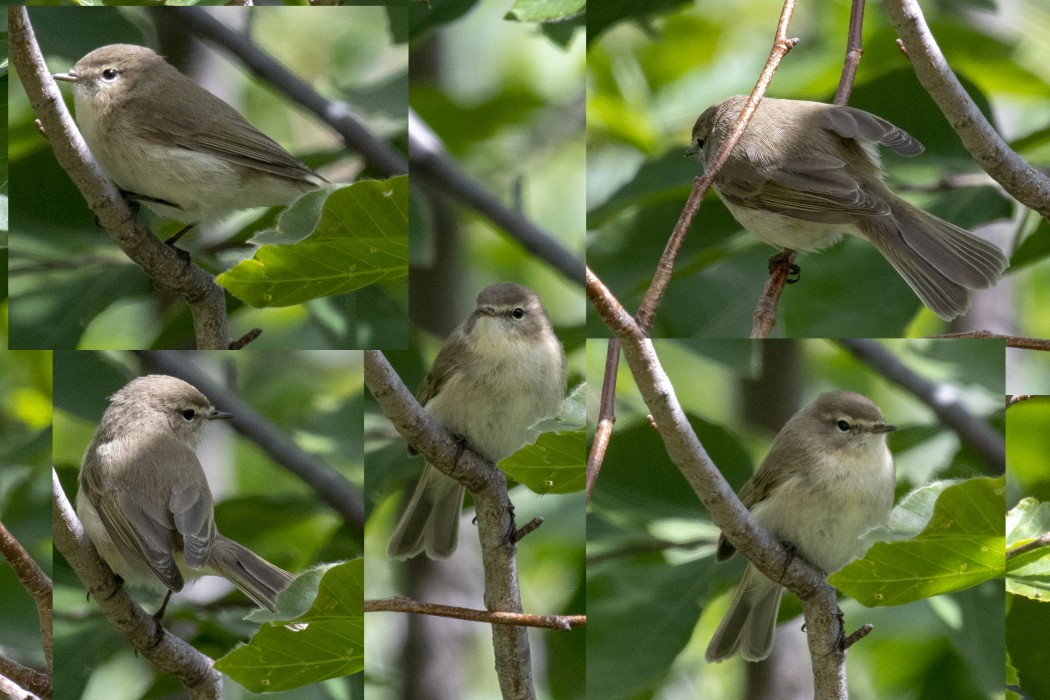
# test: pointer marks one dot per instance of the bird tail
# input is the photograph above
(941, 262)
(254, 576)
(750, 621)
(430, 523)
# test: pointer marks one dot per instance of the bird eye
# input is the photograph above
(189, 414)
(699, 144)
(518, 312)
(110, 74)
(842, 425)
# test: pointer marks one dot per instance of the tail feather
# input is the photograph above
(941, 262)
(257, 578)
(750, 621)
(430, 522)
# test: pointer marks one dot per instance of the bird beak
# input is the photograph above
(70, 77)
(219, 415)
(883, 428)
(691, 151)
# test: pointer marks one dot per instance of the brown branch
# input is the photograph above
(1012, 341)
(606, 416)
(1024, 182)
(25, 678)
(150, 640)
(39, 586)
(854, 51)
(562, 623)
(765, 316)
(1042, 541)
(161, 263)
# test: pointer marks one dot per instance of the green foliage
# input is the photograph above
(555, 462)
(327, 641)
(1028, 574)
(360, 239)
(961, 546)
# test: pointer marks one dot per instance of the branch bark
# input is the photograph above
(160, 262)
(1023, 182)
(494, 510)
(563, 623)
(39, 586)
(149, 639)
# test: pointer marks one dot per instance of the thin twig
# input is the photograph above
(563, 623)
(39, 587)
(1012, 341)
(854, 51)
(765, 317)
(1042, 541)
(606, 416)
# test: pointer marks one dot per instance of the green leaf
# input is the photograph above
(555, 463)
(360, 240)
(1028, 574)
(649, 604)
(963, 545)
(328, 641)
(546, 10)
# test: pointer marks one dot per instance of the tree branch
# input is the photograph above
(337, 115)
(435, 169)
(1042, 541)
(492, 505)
(1025, 183)
(329, 485)
(1011, 340)
(976, 433)
(149, 639)
(160, 262)
(606, 416)
(563, 623)
(39, 586)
